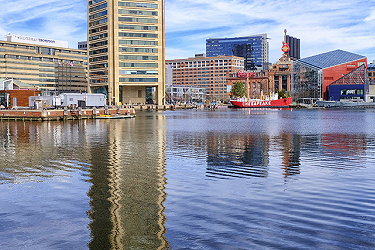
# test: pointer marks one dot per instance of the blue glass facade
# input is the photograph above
(253, 48)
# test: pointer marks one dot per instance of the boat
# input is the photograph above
(271, 101)
(345, 104)
(114, 116)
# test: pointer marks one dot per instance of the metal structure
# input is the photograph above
(357, 76)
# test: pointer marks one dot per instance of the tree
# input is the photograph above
(238, 89)
(282, 94)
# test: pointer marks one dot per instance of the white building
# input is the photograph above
(35, 40)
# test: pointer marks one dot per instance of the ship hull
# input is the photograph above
(280, 103)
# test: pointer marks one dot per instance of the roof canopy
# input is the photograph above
(330, 59)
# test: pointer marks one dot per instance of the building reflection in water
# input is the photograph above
(128, 182)
(231, 156)
(32, 151)
(291, 152)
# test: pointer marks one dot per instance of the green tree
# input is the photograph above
(238, 89)
(282, 94)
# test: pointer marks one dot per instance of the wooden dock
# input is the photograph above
(60, 114)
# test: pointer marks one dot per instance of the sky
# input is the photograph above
(321, 25)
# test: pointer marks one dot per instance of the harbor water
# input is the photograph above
(191, 179)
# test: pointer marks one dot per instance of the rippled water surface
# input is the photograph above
(225, 179)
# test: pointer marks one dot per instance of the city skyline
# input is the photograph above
(322, 26)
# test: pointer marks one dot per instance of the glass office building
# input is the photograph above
(254, 49)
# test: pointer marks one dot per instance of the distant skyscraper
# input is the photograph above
(254, 49)
(126, 50)
(294, 45)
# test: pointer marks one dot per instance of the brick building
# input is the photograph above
(256, 84)
(206, 72)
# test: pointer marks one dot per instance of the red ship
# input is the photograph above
(257, 103)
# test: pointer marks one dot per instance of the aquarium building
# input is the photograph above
(311, 76)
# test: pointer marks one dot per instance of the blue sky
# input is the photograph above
(322, 25)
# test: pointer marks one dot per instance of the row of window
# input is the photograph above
(99, 73)
(126, 65)
(145, 35)
(98, 29)
(138, 79)
(102, 80)
(98, 7)
(137, 27)
(98, 44)
(103, 13)
(138, 42)
(45, 70)
(100, 21)
(99, 51)
(138, 72)
(138, 12)
(138, 50)
(36, 49)
(138, 65)
(98, 37)
(203, 64)
(91, 2)
(100, 58)
(137, 20)
(135, 57)
(44, 59)
(48, 79)
(138, 5)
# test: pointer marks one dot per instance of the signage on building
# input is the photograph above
(245, 74)
(285, 48)
(34, 40)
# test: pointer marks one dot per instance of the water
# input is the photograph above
(226, 179)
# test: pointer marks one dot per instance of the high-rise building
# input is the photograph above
(254, 49)
(126, 50)
(295, 49)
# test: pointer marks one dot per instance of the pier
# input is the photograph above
(60, 114)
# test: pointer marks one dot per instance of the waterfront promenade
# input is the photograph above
(73, 114)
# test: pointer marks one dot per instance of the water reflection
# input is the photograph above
(123, 160)
(237, 156)
(248, 155)
(58, 177)
(291, 152)
(128, 180)
(34, 151)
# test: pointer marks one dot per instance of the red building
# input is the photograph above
(313, 75)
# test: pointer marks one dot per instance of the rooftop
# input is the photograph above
(330, 59)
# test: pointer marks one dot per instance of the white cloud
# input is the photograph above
(54, 19)
(321, 25)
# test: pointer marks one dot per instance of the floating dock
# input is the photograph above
(60, 114)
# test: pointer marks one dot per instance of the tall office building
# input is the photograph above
(254, 49)
(126, 50)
